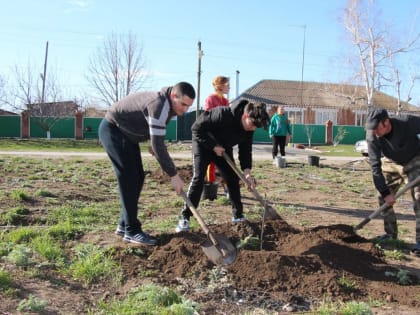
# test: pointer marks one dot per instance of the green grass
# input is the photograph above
(50, 145)
(93, 145)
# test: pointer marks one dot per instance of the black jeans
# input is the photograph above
(126, 160)
(201, 159)
(279, 141)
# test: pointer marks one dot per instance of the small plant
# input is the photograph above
(48, 248)
(152, 300)
(403, 276)
(32, 304)
(346, 284)
(44, 193)
(354, 308)
(92, 264)
(249, 242)
(20, 255)
(19, 195)
(394, 254)
(5, 280)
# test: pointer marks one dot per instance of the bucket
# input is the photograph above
(280, 162)
(210, 191)
(313, 160)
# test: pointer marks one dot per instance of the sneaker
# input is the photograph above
(237, 220)
(120, 230)
(140, 238)
(183, 226)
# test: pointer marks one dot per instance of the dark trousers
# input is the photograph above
(126, 160)
(201, 159)
(395, 176)
(278, 142)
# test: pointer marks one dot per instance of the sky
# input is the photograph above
(246, 40)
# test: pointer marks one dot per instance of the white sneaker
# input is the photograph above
(237, 220)
(183, 226)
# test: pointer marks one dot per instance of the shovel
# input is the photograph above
(270, 212)
(385, 206)
(217, 247)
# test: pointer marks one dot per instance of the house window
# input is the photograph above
(295, 115)
(360, 118)
(321, 116)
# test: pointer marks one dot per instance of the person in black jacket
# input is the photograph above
(397, 139)
(217, 131)
(136, 118)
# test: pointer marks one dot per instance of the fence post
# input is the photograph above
(78, 128)
(24, 126)
(328, 132)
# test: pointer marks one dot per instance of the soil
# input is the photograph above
(300, 264)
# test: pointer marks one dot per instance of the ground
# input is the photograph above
(310, 256)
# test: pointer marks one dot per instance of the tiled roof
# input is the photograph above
(315, 94)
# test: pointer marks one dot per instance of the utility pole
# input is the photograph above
(237, 83)
(303, 65)
(200, 55)
(44, 76)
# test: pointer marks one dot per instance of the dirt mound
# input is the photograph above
(309, 264)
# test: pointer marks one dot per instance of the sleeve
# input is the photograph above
(201, 129)
(272, 126)
(245, 151)
(375, 154)
(158, 116)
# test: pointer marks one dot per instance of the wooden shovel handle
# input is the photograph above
(374, 214)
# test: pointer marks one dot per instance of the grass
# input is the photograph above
(90, 203)
(93, 145)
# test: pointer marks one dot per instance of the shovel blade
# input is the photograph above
(222, 253)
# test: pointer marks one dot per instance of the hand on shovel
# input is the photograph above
(251, 182)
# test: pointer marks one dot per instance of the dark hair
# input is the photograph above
(258, 114)
(184, 88)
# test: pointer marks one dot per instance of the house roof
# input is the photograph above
(316, 94)
(7, 113)
(53, 109)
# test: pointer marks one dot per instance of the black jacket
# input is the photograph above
(224, 123)
(400, 145)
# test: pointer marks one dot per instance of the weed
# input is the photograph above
(250, 242)
(23, 234)
(403, 276)
(14, 216)
(5, 280)
(32, 304)
(346, 284)
(394, 254)
(20, 255)
(150, 299)
(48, 248)
(19, 195)
(93, 264)
(44, 193)
(355, 308)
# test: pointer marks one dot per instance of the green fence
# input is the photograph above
(10, 127)
(60, 128)
(178, 129)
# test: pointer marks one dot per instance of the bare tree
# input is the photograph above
(374, 45)
(3, 98)
(28, 96)
(117, 68)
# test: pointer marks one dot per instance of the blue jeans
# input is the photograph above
(126, 160)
